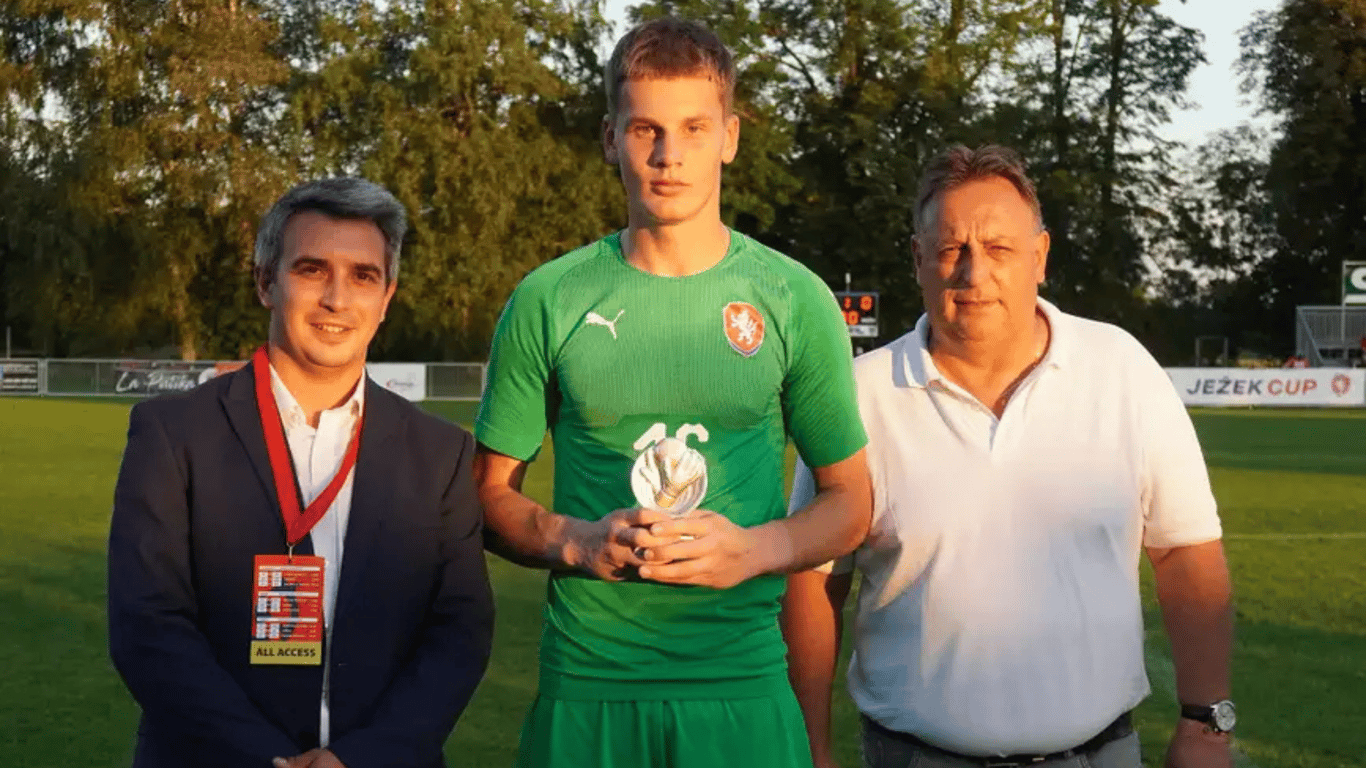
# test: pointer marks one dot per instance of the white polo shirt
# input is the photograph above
(999, 610)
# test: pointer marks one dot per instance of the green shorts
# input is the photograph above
(762, 732)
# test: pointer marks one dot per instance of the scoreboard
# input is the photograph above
(860, 312)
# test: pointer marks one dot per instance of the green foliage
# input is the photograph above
(180, 123)
(1306, 61)
(143, 140)
(481, 118)
(1266, 217)
(1107, 78)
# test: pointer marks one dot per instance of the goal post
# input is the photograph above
(1328, 335)
(1211, 350)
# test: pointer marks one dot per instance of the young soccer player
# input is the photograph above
(661, 645)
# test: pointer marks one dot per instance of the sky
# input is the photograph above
(1213, 86)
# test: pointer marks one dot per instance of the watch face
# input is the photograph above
(1225, 715)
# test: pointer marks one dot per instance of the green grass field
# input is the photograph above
(1292, 488)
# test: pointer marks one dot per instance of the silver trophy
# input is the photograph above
(669, 477)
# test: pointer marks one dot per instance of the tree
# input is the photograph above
(144, 139)
(1218, 229)
(1306, 63)
(1108, 78)
(481, 117)
(39, 53)
(139, 139)
(174, 95)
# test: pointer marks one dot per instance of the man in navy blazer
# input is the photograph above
(408, 619)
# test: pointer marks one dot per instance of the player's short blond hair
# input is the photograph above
(667, 48)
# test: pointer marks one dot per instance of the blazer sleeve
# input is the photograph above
(154, 641)
(420, 707)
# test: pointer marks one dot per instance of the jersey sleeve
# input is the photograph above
(819, 405)
(1178, 504)
(513, 410)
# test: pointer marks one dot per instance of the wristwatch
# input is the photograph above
(1220, 716)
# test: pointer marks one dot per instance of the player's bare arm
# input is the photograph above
(520, 530)
(812, 623)
(722, 554)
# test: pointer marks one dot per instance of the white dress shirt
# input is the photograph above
(999, 611)
(317, 454)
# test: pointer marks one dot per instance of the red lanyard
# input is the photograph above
(297, 523)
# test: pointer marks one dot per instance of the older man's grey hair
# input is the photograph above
(340, 198)
(959, 165)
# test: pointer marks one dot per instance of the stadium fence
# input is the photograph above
(141, 378)
(1314, 387)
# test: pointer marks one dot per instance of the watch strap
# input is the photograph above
(1220, 717)
(1201, 713)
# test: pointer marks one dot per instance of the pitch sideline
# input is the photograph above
(1349, 536)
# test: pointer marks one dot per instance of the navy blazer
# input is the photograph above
(413, 624)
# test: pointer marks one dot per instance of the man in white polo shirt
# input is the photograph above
(1022, 460)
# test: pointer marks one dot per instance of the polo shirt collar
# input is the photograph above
(920, 367)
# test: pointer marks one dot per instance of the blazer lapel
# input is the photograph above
(239, 402)
(369, 500)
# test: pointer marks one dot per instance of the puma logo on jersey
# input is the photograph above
(593, 318)
(744, 327)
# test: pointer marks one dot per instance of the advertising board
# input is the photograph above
(156, 377)
(406, 379)
(1339, 387)
(19, 377)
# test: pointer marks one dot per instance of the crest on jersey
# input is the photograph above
(744, 327)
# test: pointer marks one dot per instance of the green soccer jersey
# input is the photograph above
(609, 358)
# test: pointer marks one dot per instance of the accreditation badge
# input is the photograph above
(287, 610)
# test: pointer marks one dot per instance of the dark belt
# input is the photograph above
(1121, 727)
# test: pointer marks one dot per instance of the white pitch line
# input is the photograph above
(1353, 535)
(1162, 674)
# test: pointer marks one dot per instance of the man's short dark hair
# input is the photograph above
(340, 198)
(959, 165)
(667, 48)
